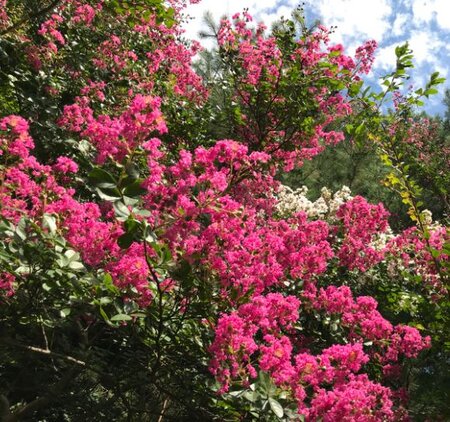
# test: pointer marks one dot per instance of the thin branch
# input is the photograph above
(163, 411)
(160, 307)
(54, 354)
(44, 352)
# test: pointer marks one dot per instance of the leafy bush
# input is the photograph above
(150, 271)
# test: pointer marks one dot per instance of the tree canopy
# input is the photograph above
(160, 257)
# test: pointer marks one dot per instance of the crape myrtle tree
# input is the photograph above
(406, 149)
(354, 161)
(151, 270)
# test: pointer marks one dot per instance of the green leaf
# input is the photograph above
(139, 315)
(105, 300)
(132, 171)
(125, 240)
(20, 230)
(121, 209)
(110, 196)
(276, 407)
(435, 253)
(121, 317)
(355, 88)
(127, 181)
(431, 91)
(108, 282)
(76, 265)
(359, 129)
(143, 213)
(131, 225)
(434, 75)
(134, 189)
(130, 201)
(49, 222)
(106, 185)
(103, 314)
(98, 176)
(65, 312)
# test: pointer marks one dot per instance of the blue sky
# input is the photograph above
(425, 24)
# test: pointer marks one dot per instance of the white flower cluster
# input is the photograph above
(381, 240)
(292, 201)
(427, 218)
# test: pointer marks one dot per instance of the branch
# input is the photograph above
(160, 306)
(54, 354)
(163, 411)
(47, 352)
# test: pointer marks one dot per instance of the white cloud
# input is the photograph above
(425, 10)
(262, 10)
(426, 46)
(356, 18)
(385, 58)
(269, 18)
(422, 11)
(400, 25)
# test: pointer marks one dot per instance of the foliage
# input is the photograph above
(150, 268)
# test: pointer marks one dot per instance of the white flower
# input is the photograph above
(293, 201)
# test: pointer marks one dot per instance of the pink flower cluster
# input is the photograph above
(31, 189)
(365, 55)
(364, 323)
(85, 13)
(162, 55)
(6, 284)
(206, 197)
(15, 141)
(263, 67)
(95, 89)
(83, 227)
(255, 54)
(49, 29)
(361, 221)
(234, 342)
(358, 400)
(65, 165)
(4, 18)
(118, 136)
(131, 270)
(26, 184)
(261, 334)
(413, 251)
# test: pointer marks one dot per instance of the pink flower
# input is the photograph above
(65, 165)
(7, 284)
